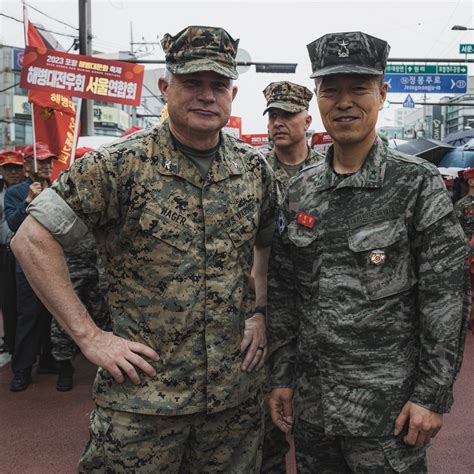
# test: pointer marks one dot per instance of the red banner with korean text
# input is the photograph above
(255, 139)
(82, 76)
(54, 115)
(234, 126)
(321, 141)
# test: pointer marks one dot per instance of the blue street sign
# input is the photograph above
(409, 102)
(17, 58)
(432, 83)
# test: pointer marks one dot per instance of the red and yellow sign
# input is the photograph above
(256, 139)
(81, 76)
(234, 126)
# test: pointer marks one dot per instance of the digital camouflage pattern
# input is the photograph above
(177, 251)
(348, 454)
(275, 445)
(287, 96)
(201, 48)
(88, 280)
(368, 296)
(282, 175)
(229, 441)
(348, 53)
(465, 212)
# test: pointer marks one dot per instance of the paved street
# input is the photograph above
(43, 431)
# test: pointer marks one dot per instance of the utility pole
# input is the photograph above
(85, 47)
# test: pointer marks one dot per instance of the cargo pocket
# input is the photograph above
(403, 458)
(93, 458)
(384, 261)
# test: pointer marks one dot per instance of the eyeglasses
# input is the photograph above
(11, 168)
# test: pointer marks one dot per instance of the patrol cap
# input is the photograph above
(11, 157)
(201, 48)
(42, 151)
(468, 174)
(348, 53)
(287, 96)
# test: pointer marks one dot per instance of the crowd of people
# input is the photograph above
(31, 335)
(353, 265)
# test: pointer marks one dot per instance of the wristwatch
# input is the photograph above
(261, 310)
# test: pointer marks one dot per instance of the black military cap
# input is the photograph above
(201, 48)
(348, 53)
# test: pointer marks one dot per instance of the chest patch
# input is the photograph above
(305, 219)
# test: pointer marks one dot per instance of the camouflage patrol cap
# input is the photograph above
(348, 53)
(287, 96)
(201, 48)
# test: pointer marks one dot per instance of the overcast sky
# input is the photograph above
(273, 31)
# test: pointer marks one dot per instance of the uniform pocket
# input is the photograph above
(243, 227)
(403, 458)
(300, 235)
(93, 458)
(164, 229)
(382, 253)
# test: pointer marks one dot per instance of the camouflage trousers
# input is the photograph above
(320, 453)
(275, 445)
(93, 295)
(229, 441)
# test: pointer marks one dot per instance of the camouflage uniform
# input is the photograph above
(177, 249)
(292, 98)
(354, 259)
(465, 212)
(84, 269)
(282, 175)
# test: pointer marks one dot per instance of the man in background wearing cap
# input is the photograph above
(11, 169)
(33, 319)
(176, 211)
(368, 298)
(288, 122)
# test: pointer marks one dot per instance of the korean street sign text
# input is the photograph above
(466, 49)
(419, 83)
(425, 69)
(81, 76)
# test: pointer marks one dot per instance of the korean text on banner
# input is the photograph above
(82, 76)
(54, 115)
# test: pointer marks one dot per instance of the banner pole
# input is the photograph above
(76, 131)
(25, 30)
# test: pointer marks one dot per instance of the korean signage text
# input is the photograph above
(82, 76)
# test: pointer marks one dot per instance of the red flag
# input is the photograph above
(54, 116)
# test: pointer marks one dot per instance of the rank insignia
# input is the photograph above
(343, 51)
(306, 219)
(377, 257)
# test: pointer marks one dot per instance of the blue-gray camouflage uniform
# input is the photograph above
(368, 303)
(88, 281)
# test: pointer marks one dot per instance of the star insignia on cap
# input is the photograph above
(343, 52)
